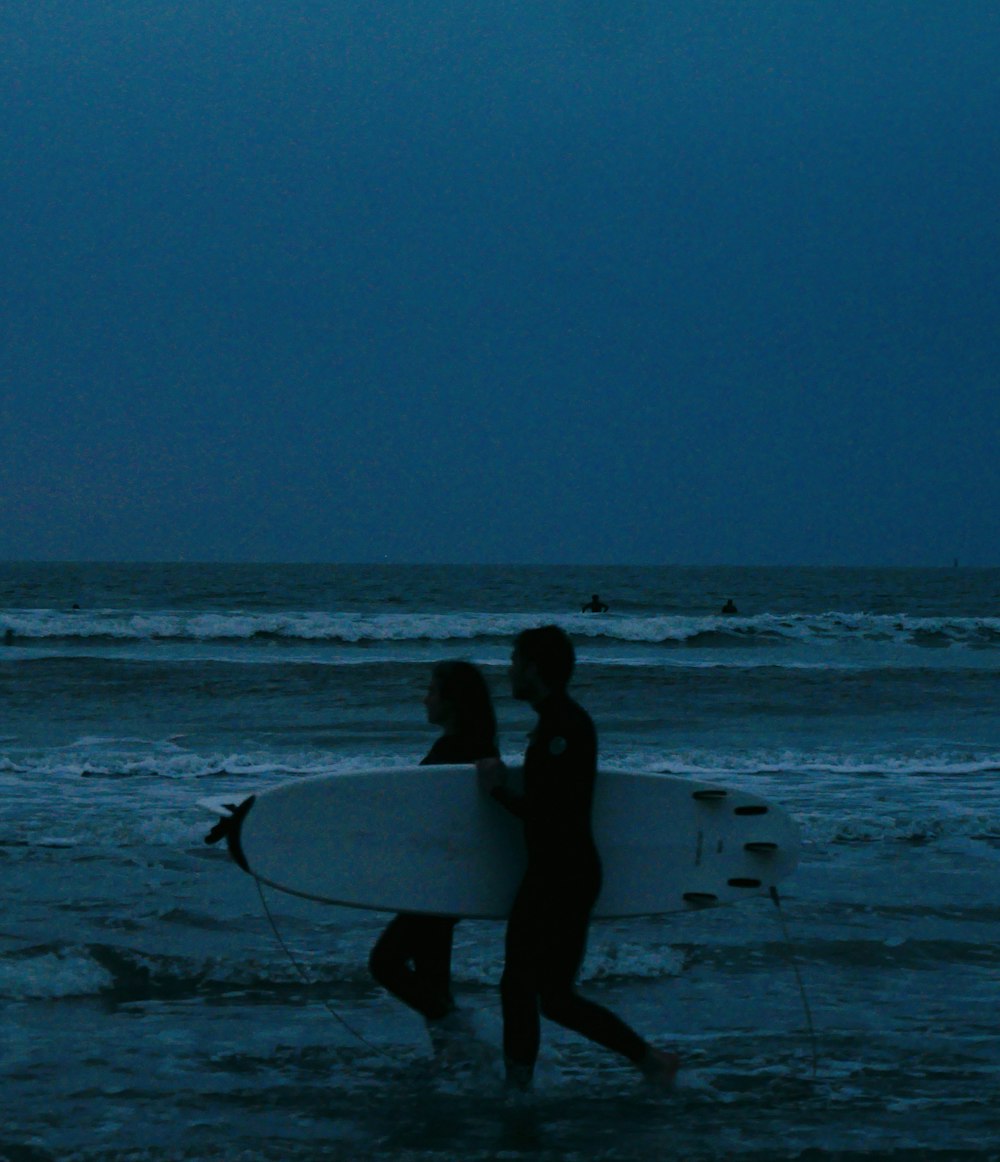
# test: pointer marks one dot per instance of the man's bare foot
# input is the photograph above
(660, 1067)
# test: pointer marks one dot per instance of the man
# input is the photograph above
(547, 928)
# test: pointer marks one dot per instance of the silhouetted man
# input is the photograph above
(547, 927)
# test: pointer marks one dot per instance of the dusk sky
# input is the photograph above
(597, 281)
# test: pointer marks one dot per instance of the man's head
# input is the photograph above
(542, 663)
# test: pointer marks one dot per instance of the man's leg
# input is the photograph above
(518, 990)
(564, 946)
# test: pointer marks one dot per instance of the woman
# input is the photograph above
(412, 958)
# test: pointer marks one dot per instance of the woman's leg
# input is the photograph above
(424, 942)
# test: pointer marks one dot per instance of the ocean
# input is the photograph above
(150, 1010)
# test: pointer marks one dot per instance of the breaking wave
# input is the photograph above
(53, 627)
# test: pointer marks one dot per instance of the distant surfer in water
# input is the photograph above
(730, 607)
(595, 605)
(547, 927)
(412, 958)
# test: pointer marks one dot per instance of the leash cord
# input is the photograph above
(793, 960)
(303, 975)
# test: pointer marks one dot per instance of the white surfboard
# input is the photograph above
(426, 839)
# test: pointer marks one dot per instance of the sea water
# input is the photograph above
(154, 1005)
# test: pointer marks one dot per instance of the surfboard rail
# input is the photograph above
(426, 840)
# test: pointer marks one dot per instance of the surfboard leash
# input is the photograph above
(793, 960)
(304, 977)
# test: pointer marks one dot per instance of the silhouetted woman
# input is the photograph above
(412, 958)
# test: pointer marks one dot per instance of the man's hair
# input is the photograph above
(550, 650)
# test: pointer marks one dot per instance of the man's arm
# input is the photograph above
(493, 780)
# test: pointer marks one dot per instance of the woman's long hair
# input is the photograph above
(463, 687)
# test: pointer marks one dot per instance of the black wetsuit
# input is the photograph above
(412, 957)
(547, 929)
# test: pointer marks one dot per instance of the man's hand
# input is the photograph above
(492, 774)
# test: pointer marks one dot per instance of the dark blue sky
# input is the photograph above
(546, 280)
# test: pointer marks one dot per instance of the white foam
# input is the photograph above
(719, 764)
(612, 954)
(51, 975)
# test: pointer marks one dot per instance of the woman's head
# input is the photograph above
(458, 700)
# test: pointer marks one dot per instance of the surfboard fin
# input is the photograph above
(700, 899)
(228, 828)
